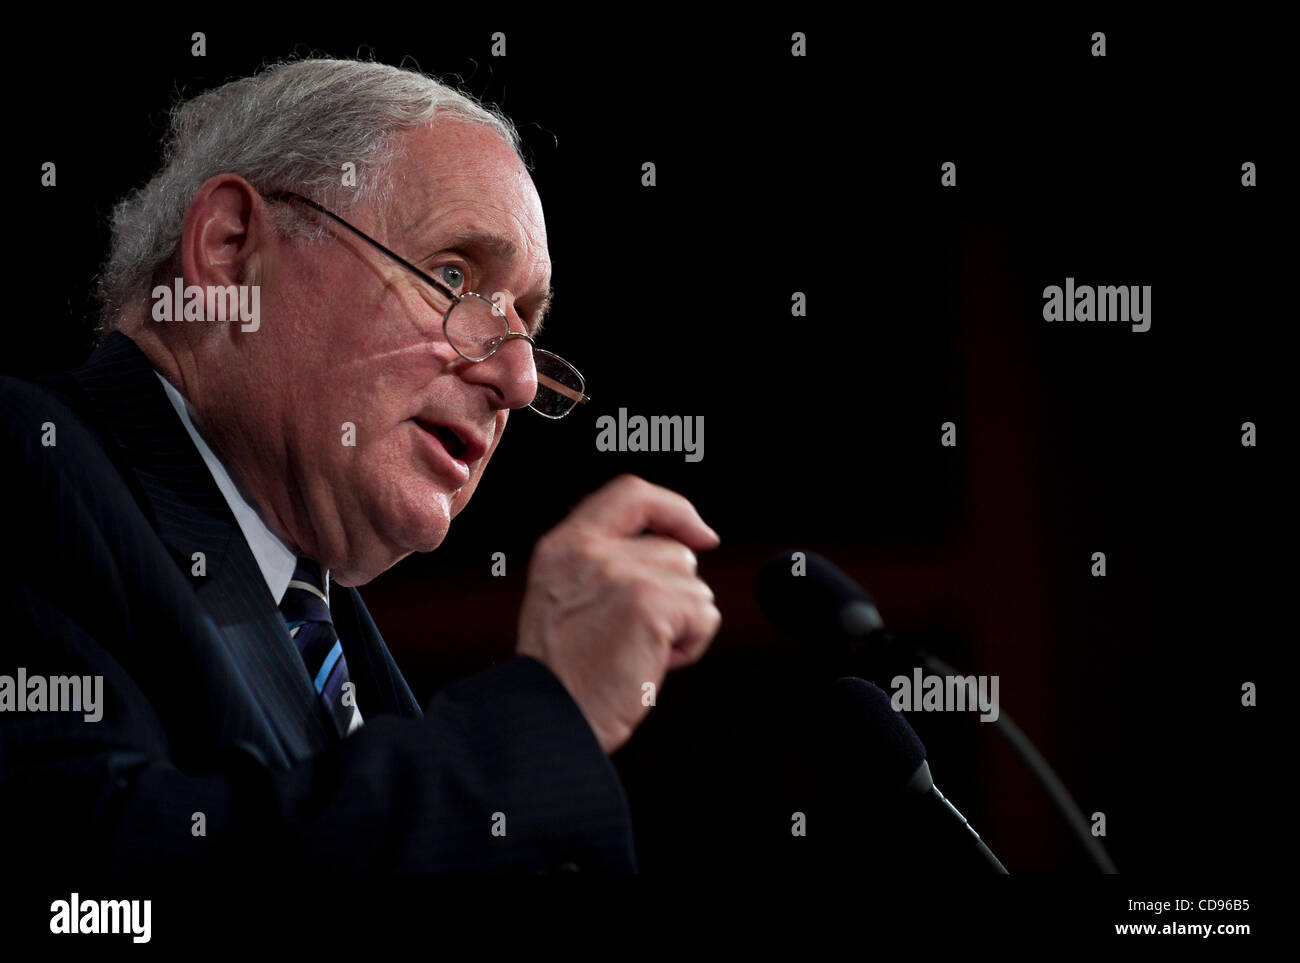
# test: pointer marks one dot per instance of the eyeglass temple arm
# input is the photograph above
(290, 195)
(562, 389)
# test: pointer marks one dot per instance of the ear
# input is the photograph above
(226, 233)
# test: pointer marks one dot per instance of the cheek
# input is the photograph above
(388, 489)
(381, 387)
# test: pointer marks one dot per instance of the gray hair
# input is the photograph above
(292, 126)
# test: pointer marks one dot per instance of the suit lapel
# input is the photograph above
(191, 516)
(380, 684)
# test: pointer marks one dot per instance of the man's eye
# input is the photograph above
(451, 276)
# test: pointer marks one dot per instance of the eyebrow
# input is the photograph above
(492, 243)
(540, 313)
(502, 247)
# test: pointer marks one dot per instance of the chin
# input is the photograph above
(421, 524)
(403, 512)
(401, 542)
(418, 532)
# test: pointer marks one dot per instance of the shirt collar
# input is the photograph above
(276, 560)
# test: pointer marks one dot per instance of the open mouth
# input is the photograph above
(450, 440)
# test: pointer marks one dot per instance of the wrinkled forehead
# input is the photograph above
(457, 177)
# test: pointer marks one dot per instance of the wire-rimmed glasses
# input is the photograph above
(476, 327)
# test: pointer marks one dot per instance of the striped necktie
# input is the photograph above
(306, 611)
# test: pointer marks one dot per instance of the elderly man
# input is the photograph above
(197, 503)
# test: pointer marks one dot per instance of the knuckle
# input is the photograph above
(714, 616)
(548, 545)
(706, 618)
(695, 588)
(549, 555)
(688, 559)
(567, 542)
(630, 481)
(585, 545)
(636, 489)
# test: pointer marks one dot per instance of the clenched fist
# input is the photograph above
(610, 606)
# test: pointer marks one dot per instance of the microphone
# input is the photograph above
(826, 606)
(803, 594)
(887, 745)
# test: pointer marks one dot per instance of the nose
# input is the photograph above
(510, 372)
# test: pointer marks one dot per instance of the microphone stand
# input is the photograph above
(1042, 770)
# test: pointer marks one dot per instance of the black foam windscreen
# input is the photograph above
(806, 596)
(873, 736)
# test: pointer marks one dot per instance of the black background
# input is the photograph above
(821, 174)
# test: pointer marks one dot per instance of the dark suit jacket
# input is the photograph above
(207, 704)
